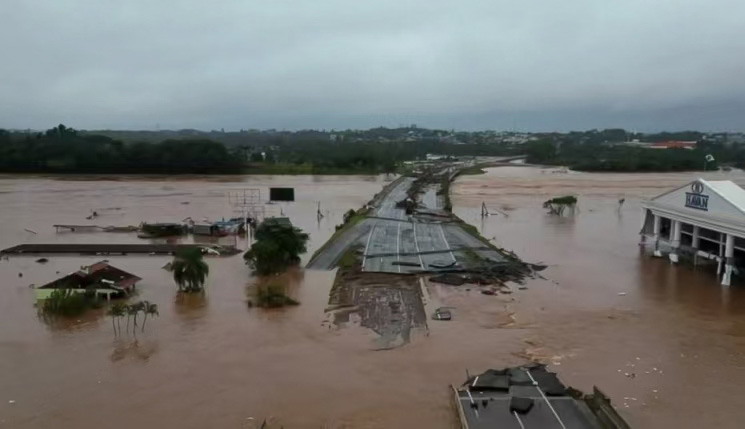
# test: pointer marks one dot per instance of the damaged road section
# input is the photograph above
(531, 397)
(405, 232)
(388, 304)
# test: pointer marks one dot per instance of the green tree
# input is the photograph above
(117, 311)
(131, 311)
(278, 246)
(541, 151)
(190, 271)
(151, 310)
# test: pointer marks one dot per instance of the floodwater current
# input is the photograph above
(603, 311)
(665, 342)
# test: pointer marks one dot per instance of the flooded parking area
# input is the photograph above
(666, 343)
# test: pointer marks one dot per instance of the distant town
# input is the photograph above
(63, 149)
(413, 133)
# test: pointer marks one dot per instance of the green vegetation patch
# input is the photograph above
(278, 246)
(68, 303)
(273, 295)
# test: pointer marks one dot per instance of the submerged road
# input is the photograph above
(394, 242)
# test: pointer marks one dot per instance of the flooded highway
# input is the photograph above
(666, 343)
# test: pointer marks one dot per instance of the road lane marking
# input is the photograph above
(447, 245)
(364, 255)
(398, 246)
(416, 243)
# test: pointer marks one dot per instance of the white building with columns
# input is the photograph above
(703, 220)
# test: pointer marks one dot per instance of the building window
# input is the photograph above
(708, 234)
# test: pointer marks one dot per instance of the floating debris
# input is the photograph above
(448, 279)
(442, 314)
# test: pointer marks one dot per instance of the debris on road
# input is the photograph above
(42, 261)
(405, 263)
(448, 279)
(442, 314)
(442, 264)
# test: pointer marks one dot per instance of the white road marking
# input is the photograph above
(416, 243)
(364, 255)
(442, 231)
(398, 246)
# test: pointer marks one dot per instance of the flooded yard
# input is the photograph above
(604, 311)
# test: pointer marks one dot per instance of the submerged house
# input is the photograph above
(703, 221)
(155, 230)
(105, 279)
(221, 228)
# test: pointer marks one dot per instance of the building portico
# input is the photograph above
(703, 220)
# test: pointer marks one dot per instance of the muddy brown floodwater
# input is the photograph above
(607, 310)
(213, 362)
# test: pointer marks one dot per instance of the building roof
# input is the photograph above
(284, 221)
(728, 190)
(716, 204)
(101, 273)
(674, 144)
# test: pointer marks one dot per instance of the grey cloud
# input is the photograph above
(645, 64)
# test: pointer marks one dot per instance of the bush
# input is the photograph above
(273, 296)
(67, 303)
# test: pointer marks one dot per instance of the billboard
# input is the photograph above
(281, 194)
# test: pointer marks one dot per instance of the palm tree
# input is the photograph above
(189, 270)
(116, 311)
(152, 310)
(139, 306)
(132, 310)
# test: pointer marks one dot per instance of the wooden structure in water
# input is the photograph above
(116, 249)
(92, 228)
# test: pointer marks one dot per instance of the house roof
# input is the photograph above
(96, 273)
(674, 143)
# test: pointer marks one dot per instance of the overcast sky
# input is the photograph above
(465, 64)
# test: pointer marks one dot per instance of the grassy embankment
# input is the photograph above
(355, 218)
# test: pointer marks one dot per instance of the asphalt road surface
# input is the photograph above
(395, 242)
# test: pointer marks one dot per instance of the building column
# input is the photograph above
(695, 242)
(656, 226)
(729, 253)
(674, 240)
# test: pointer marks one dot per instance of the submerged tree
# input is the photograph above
(131, 311)
(558, 205)
(151, 310)
(117, 311)
(273, 295)
(278, 246)
(189, 270)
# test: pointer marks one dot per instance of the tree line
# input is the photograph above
(600, 157)
(66, 150)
